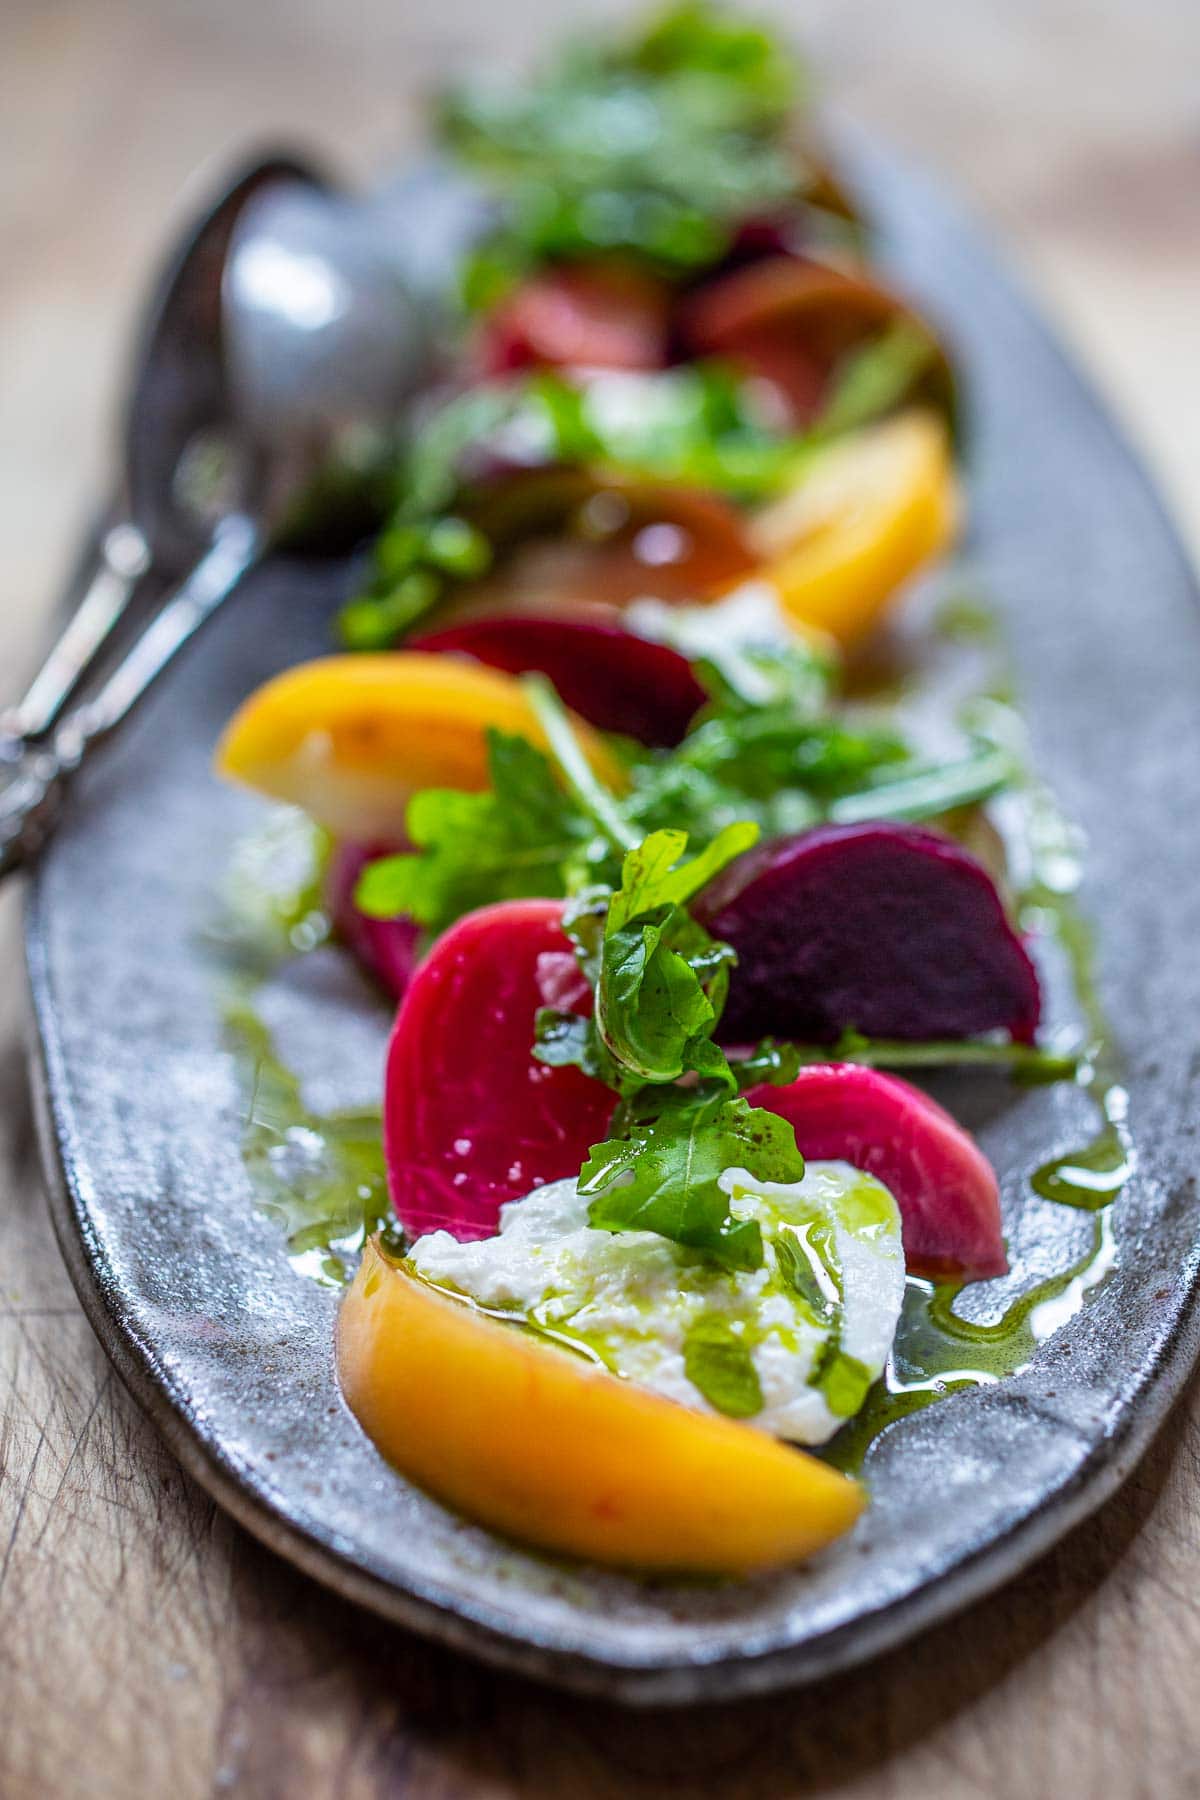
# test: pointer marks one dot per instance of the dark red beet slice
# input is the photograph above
(886, 929)
(386, 948)
(470, 1119)
(616, 680)
(943, 1184)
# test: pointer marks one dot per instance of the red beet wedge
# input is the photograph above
(386, 948)
(471, 1119)
(942, 1182)
(885, 929)
(609, 676)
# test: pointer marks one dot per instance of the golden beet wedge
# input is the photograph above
(549, 1449)
(352, 738)
(868, 513)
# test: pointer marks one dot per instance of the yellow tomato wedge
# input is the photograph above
(352, 738)
(871, 511)
(544, 1447)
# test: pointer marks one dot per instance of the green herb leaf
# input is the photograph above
(663, 979)
(718, 1363)
(665, 1175)
(845, 1383)
(653, 146)
(506, 843)
(767, 1062)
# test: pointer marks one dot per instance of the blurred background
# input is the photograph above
(1071, 126)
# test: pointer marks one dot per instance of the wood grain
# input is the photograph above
(147, 1647)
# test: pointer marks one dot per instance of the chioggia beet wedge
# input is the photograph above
(941, 1180)
(471, 1118)
(545, 1447)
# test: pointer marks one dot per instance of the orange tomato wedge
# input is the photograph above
(544, 1447)
(352, 738)
(866, 515)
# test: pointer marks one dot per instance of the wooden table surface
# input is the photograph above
(147, 1647)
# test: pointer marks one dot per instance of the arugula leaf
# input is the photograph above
(650, 876)
(718, 1363)
(566, 1040)
(664, 1175)
(509, 842)
(768, 1062)
(654, 146)
(1034, 1064)
(662, 979)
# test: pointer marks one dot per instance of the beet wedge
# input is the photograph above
(610, 677)
(886, 929)
(942, 1182)
(388, 950)
(471, 1119)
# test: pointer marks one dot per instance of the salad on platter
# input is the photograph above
(679, 861)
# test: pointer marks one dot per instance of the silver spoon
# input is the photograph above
(280, 336)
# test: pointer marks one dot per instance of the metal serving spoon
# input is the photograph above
(280, 335)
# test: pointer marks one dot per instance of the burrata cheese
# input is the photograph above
(791, 1347)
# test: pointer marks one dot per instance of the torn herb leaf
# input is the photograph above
(665, 1174)
(719, 1365)
(508, 843)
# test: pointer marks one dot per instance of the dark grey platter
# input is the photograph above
(231, 1352)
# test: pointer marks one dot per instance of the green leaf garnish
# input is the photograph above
(664, 1174)
(507, 843)
(1034, 1064)
(652, 146)
(718, 1363)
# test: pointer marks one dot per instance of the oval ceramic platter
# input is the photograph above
(231, 1350)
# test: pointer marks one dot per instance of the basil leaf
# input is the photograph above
(845, 1383)
(718, 1363)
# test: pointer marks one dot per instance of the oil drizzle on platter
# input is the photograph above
(937, 1352)
(321, 1177)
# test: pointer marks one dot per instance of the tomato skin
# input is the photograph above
(471, 1118)
(591, 315)
(613, 679)
(943, 1184)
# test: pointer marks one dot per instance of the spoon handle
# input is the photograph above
(39, 773)
(122, 559)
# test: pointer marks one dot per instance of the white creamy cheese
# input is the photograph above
(817, 1320)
